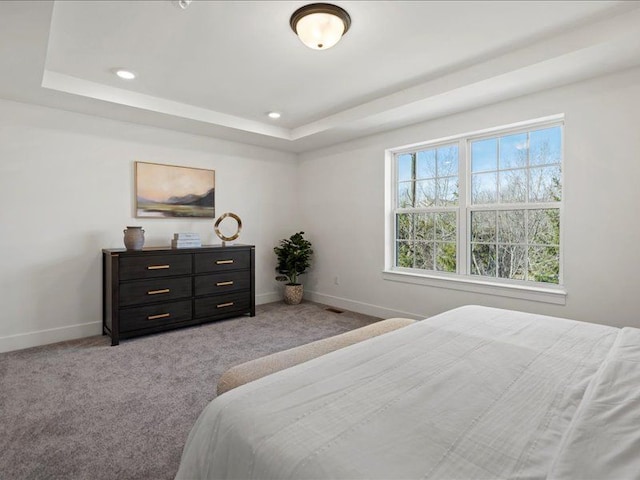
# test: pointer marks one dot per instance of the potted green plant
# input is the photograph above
(294, 258)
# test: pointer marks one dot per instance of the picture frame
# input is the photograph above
(169, 191)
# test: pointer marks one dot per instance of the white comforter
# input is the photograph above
(472, 393)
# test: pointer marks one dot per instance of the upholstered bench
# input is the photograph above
(260, 367)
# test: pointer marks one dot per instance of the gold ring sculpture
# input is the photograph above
(219, 233)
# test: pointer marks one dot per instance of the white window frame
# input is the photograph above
(463, 280)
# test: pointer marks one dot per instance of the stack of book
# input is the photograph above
(186, 240)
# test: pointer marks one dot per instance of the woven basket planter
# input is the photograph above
(293, 294)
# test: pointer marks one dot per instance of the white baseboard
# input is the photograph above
(270, 297)
(359, 307)
(51, 335)
(72, 332)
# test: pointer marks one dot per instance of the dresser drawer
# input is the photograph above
(222, 304)
(152, 266)
(157, 290)
(222, 261)
(137, 318)
(217, 283)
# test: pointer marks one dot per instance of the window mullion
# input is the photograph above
(463, 240)
(413, 179)
(527, 241)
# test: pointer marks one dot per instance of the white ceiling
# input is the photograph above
(217, 68)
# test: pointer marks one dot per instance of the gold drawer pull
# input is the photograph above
(224, 262)
(156, 292)
(158, 267)
(224, 284)
(155, 317)
(222, 305)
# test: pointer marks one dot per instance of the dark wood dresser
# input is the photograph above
(161, 288)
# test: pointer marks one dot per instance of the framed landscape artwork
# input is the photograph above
(171, 191)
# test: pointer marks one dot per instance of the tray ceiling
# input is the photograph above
(217, 68)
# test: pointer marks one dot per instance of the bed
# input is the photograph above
(475, 392)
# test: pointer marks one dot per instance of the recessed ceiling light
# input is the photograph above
(125, 74)
(273, 115)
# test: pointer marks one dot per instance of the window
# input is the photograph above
(426, 220)
(486, 207)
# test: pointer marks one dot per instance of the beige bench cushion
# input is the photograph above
(258, 368)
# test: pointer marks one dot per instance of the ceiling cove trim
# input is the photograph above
(77, 86)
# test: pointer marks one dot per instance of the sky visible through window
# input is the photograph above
(544, 147)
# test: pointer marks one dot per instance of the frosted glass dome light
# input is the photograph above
(320, 25)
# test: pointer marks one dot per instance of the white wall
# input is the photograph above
(342, 194)
(66, 190)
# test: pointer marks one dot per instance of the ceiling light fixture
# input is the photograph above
(274, 115)
(125, 74)
(320, 25)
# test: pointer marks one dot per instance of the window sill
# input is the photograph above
(555, 295)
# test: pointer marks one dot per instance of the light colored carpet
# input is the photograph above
(85, 410)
